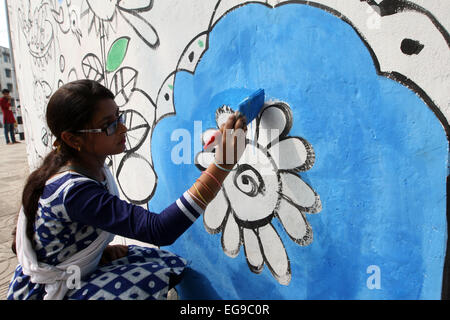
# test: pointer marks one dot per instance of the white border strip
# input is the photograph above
(185, 210)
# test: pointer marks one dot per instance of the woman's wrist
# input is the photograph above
(205, 189)
(224, 166)
(220, 174)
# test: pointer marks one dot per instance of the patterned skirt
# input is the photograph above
(144, 274)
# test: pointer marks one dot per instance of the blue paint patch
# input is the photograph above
(381, 160)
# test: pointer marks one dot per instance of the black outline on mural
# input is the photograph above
(72, 75)
(153, 45)
(141, 139)
(26, 24)
(119, 170)
(120, 10)
(390, 7)
(121, 87)
(62, 63)
(63, 16)
(91, 62)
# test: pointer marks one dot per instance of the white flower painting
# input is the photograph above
(264, 186)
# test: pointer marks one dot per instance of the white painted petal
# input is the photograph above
(204, 159)
(145, 31)
(295, 223)
(222, 115)
(252, 251)
(300, 193)
(301, 154)
(274, 120)
(164, 101)
(275, 254)
(215, 213)
(231, 238)
(104, 10)
(135, 4)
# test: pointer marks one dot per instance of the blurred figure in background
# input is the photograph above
(8, 117)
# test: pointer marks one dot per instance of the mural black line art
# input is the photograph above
(67, 19)
(44, 137)
(101, 13)
(41, 93)
(39, 34)
(92, 67)
(391, 7)
(72, 75)
(269, 185)
(188, 62)
(144, 30)
(127, 168)
(146, 96)
(410, 47)
(122, 84)
(138, 129)
(35, 24)
(62, 63)
(164, 101)
(192, 53)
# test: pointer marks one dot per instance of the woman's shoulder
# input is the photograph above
(59, 182)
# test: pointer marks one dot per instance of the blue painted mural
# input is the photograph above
(380, 161)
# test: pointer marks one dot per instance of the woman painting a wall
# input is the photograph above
(341, 191)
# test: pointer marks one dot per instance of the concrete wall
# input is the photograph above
(341, 193)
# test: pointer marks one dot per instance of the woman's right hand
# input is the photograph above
(232, 140)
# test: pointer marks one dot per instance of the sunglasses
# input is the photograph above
(111, 128)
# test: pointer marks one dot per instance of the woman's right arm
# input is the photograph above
(90, 204)
(210, 183)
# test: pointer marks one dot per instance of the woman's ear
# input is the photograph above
(71, 140)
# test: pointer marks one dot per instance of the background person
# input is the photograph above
(8, 117)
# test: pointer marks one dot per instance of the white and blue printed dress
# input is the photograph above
(72, 212)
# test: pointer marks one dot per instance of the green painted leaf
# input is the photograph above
(116, 54)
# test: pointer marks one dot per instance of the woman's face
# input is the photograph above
(100, 144)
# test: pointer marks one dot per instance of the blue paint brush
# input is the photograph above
(249, 107)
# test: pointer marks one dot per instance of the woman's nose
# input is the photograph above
(122, 128)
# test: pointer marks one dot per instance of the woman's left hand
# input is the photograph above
(113, 252)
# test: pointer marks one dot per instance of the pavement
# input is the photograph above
(14, 171)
